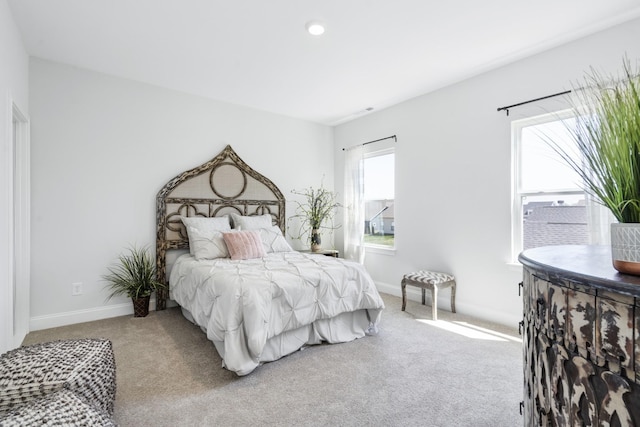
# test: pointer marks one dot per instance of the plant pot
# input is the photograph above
(316, 241)
(140, 306)
(625, 247)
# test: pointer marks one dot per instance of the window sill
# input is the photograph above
(374, 249)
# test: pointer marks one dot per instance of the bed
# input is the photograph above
(220, 242)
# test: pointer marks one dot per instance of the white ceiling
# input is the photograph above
(374, 53)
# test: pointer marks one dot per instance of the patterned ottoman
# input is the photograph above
(83, 367)
(61, 408)
(432, 280)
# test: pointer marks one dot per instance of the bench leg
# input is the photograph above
(403, 284)
(453, 297)
(434, 302)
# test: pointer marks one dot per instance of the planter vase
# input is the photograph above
(140, 306)
(625, 247)
(316, 241)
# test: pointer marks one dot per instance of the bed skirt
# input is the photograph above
(342, 328)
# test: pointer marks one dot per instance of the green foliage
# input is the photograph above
(317, 212)
(377, 239)
(607, 135)
(134, 275)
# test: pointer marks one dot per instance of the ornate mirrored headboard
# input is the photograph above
(222, 185)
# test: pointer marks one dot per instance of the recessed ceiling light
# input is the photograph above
(315, 28)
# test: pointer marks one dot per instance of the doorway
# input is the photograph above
(19, 222)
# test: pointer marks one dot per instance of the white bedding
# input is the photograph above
(261, 309)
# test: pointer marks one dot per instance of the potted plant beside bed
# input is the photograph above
(607, 137)
(134, 275)
(315, 215)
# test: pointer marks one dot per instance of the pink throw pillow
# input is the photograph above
(244, 244)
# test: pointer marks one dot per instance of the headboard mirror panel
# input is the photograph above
(220, 186)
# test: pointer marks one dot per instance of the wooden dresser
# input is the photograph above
(581, 335)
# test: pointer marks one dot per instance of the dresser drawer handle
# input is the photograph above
(520, 326)
(520, 286)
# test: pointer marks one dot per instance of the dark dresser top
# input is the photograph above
(590, 265)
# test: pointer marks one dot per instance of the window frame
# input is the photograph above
(377, 152)
(517, 194)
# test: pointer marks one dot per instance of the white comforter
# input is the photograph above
(243, 304)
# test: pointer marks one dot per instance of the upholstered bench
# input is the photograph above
(83, 367)
(429, 280)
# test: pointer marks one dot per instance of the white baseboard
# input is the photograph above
(126, 309)
(474, 310)
(87, 315)
(413, 294)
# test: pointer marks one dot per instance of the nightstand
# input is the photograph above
(328, 252)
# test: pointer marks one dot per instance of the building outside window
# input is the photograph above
(379, 195)
(549, 207)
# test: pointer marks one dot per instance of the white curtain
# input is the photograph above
(599, 219)
(353, 223)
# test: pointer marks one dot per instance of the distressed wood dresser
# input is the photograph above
(581, 339)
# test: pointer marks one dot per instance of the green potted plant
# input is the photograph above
(607, 137)
(315, 214)
(134, 275)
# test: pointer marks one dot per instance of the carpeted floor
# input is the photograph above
(416, 372)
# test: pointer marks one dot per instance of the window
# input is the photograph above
(379, 194)
(549, 207)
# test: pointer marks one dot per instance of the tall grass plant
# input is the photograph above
(607, 135)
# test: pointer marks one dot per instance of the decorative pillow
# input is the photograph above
(251, 222)
(273, 240)
(244, 244)
(207, 247)
(205, 226)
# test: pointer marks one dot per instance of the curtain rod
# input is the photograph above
(532, 100)
(375, 140)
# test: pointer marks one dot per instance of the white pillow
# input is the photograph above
(273, 240)
(207, 246)
(255, 222)
(205, 226)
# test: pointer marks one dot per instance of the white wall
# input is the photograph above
(14, 90)
(102, 147)
(453, 171)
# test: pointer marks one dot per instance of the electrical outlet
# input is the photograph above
(76, 288)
